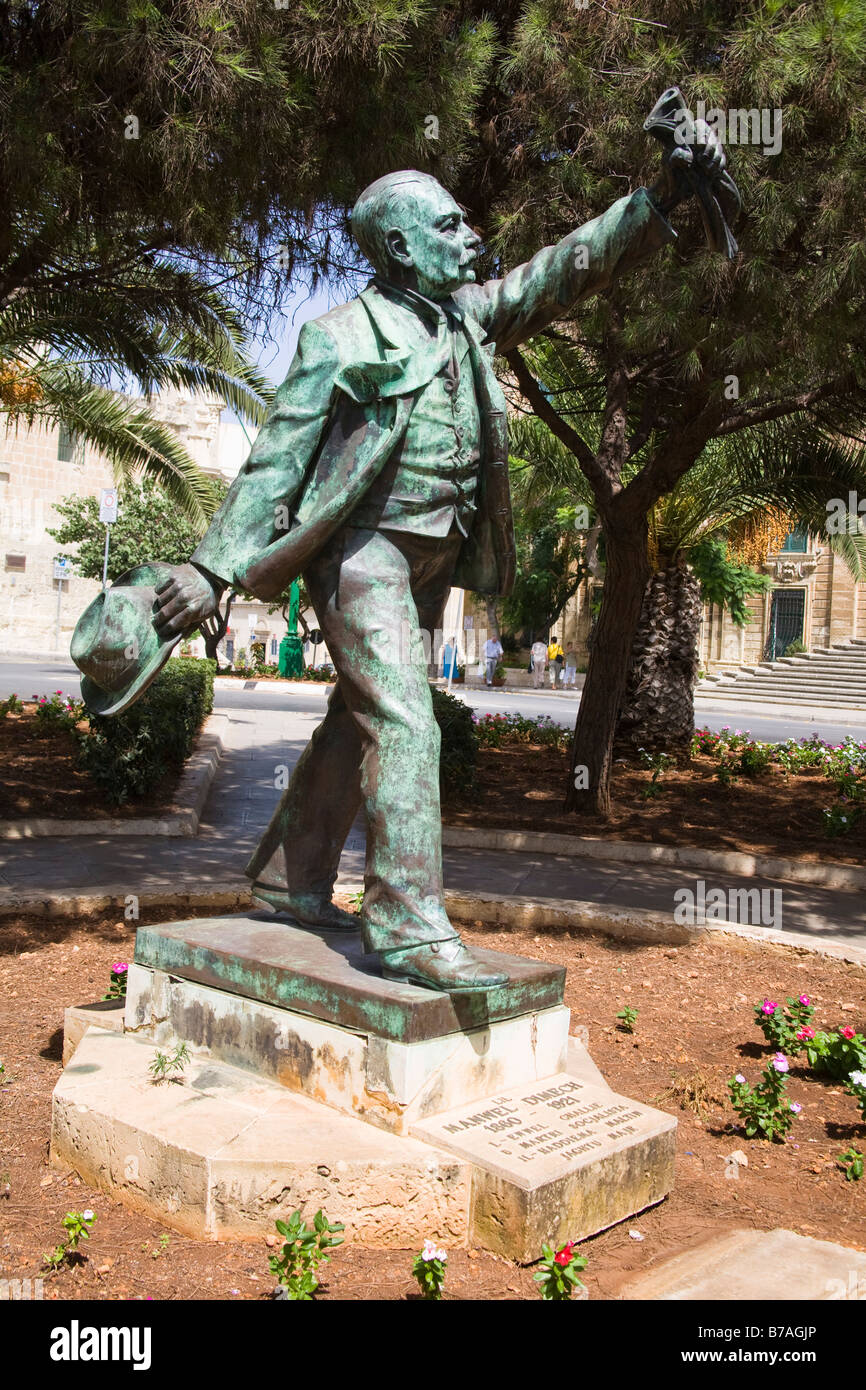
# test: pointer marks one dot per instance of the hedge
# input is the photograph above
(459, 751)
(129, 754)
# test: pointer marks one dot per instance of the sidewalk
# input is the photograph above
(242, 799)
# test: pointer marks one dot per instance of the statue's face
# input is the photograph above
(433, 243)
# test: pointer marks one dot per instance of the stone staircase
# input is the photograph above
(826, 676)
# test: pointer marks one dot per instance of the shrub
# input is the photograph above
(837, 1054)
(129, 754)
(766, 1111)
(459, 751)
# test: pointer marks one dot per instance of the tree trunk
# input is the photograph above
(492, 619)
(626, 576)
(658, 708)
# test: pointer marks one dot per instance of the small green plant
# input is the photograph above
(627, 1019)
(765, 1109)
(11, 706)
(304, 1250)
(78, 1225)
(856, 1087)
(837, 1054)
(357, 900)
(658, 764)
(558, 1272)
(851, 1163)
(429, 1269)
(117, 988)
(58, 711)
(841, 817)
(164, 1240)
(787, 1028)
(164, 1064)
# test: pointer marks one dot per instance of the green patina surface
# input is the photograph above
(327, 976)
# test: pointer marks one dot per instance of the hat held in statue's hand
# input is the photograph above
(115, 645)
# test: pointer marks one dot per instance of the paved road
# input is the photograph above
(268, 728)
(26, 678)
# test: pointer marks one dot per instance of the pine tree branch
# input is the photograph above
(541, 406)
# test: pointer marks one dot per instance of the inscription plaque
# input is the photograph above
(541, 1131)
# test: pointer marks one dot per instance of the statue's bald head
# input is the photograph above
(410, 229)
(388, 203)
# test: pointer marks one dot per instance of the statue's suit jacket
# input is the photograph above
(347, 399)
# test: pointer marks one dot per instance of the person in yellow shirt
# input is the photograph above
(556, 657)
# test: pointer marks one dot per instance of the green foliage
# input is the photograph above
(658, 764)
(459, 748)
(12, 705)
(549, 569)
(128, 754)
(170, 1066)
(851, 1163)
(428, 1268)
(304, 1249)
(149, 526)
(558, 1272)
(58, 712)
(788, 1029)
(765, 1109)
(627, 1019)
(495, 730)
(78, 1226)
(726, 582)
(117, 985)
(837, 1054)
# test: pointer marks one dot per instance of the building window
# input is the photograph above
(17, 563)
(797, 540)
(275, 648)
(70, 448)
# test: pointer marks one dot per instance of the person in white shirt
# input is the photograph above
(539, 661)
(570, 666)
(492, 653)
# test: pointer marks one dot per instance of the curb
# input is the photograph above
(625, 924)
(846, 877)
(181, 818)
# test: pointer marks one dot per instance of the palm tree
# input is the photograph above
(743, 495)
(65, 345)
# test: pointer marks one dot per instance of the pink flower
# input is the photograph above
(769, 1006)
(740, 1078)
(847, 1032)
(780, 1062)
(796, 1107)
(806, 1033)
(804, 999)
(119, 967)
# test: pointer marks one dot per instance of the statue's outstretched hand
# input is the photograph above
(184, 601)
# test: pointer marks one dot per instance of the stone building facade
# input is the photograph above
(813, 600)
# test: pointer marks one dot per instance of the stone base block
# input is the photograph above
(556, 1161)
(224, 1154)
(105, 1013)
(388, 1083)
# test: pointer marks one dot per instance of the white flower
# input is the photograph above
(739, 1077)
(858, 1078)
(87, 1215)
(431, 1251)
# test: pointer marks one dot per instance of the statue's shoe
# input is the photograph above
(309, 909)
(443, 965)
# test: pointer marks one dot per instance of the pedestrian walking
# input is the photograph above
(492, 653)
(555, 656)
(570, 675)
(538, 654)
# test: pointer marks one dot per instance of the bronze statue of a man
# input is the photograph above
(381, 475)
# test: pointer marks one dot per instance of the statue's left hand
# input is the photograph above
(184, 601)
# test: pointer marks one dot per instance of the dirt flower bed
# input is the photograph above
(694, 1031)
(40, 776)
(522, 787)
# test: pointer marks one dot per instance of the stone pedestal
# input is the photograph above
(404, 1112)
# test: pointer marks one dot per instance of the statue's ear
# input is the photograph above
(395, 241)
